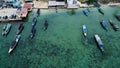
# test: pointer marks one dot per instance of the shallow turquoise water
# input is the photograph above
(63, 44)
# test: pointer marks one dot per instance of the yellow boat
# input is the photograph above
(3, 30)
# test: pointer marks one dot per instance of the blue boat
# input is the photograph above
(104, 25)
(7, 30)
(14, 43)
(99, 42)
(86, 12)
(84, 30)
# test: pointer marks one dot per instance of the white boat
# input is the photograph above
(114, 25)
(84, 30)
(99, 42)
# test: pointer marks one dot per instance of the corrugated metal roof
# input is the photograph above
(55, 3)
(24, 12)
(27, 5)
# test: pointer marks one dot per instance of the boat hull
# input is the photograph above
(34, 21)
(7, 30)
(85, 34)
(118, 16)
(114, 26)
(86, 12)
(104, 25)
(100, 11)
(3, 30)
(20, 29)
(14, 43)
(84, 30)
(99, 42)
(33, 31)
(38, 12)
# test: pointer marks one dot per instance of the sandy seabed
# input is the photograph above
(63, 45)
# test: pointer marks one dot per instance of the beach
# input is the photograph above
(63, 45)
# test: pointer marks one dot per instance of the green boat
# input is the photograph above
(101, 11)
(3, 30)
(6, 29)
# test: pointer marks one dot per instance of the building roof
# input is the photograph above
(9, 0)
(24, 12)
(17, 3)
(1, 3)
(55, 3)
(27, 5)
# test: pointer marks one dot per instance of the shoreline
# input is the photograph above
(110, 4)
(50, 10)
(53, 10)
(88, 6)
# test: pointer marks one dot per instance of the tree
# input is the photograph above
(92, 1)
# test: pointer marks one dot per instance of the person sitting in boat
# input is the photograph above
(45, 25)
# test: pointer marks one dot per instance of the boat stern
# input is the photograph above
(85, 34)
(102, 49)
(10, 50)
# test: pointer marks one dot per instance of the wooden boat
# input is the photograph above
(86, 12)
(96, 4)
(84, 30)
(101, 11)
(8, 27)
(117, 16)
(3, 30)
(45, 25)
(33, 31)
(20, 28)
(114, 25)
(38, 12)
(14, 43)
(104, 25)
(99, 42)
(34, 21)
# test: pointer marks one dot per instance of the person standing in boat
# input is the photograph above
(45, 25)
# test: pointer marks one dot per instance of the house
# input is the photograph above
(55, 3)
(13, 3)
(72, 4)
(1, 4)
(10, 0)
(1, 0)
(63, 3)
(24, 12)
(28, 6)
(17, 4)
